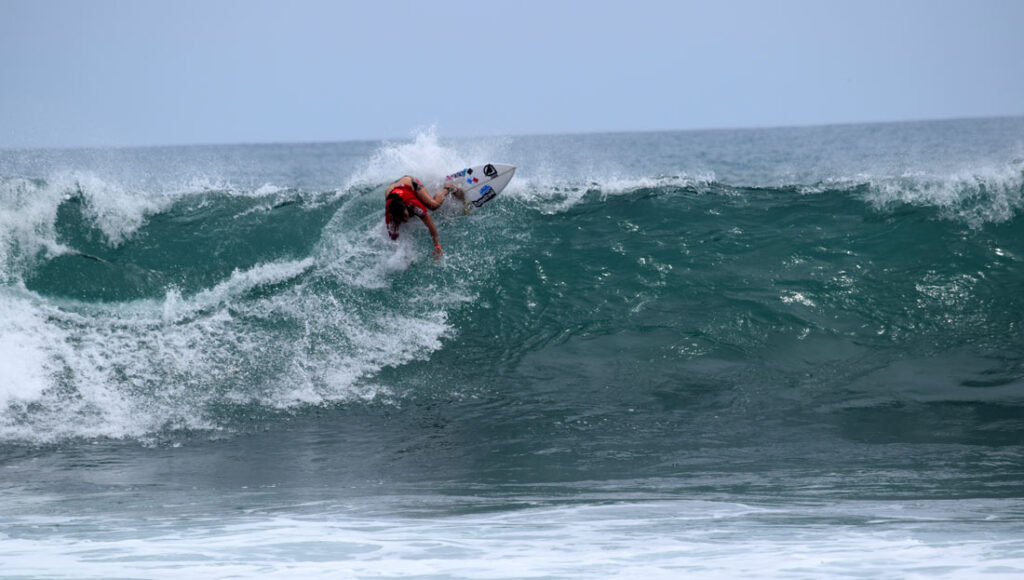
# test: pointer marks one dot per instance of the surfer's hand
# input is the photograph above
(437, 251)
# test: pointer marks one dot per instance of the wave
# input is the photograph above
(137, 313)
(977, 196)
(206, 300)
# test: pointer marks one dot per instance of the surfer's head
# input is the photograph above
(396, 209)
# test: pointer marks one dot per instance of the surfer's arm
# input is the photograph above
(431, 201)
(429, 222)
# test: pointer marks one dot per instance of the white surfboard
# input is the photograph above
(480, 183)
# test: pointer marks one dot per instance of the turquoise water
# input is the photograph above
(776, 352)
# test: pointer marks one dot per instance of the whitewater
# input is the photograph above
(788, 352)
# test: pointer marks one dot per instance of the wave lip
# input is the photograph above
(557, 195)
(30, 210)
(976, 196)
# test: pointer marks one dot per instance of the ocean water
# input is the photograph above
(786, 353)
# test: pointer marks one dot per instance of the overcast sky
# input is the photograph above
(102, 72)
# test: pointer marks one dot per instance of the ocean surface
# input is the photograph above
(785, 353)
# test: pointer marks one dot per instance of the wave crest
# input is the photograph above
(979, 196)
(975, 196)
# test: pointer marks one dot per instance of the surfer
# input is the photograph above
(408, 197)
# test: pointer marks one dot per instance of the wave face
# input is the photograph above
(628, 296)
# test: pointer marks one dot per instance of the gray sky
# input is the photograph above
(102, 72)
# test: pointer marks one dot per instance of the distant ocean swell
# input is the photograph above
(136, 314)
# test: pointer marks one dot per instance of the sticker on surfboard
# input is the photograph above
(481, 183)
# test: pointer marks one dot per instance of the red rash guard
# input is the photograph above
(412, 203)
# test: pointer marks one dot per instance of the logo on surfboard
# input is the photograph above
(486, 194)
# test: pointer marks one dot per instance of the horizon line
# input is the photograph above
(511, 135)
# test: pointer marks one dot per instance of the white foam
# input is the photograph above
(28, 214)
(979, 195)
(241, 281)
(365, 345)
(426, 158)
(117, 212)
(26, 367)
(267, 189)
(659, 540)
(361, 254)
(133, 369)
(793, 297)
(558, 194)
(115, 370)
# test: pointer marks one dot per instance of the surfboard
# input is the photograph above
(481, 183)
